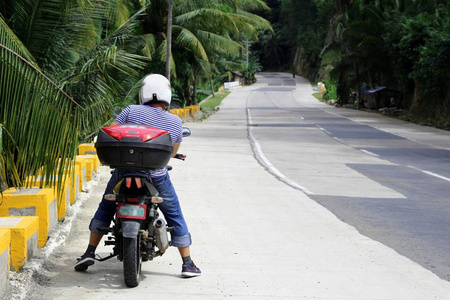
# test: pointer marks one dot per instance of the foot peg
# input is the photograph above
(104, 230)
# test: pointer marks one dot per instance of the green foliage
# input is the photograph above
(433, 66)
(419, 48)
(300, 24)
(207, 35)
(252, 67)
(40, 121)
(400, 44)
(63, 64)
(331, 93)
(74, 65)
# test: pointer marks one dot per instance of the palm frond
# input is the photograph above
(247, 5)
(209, 19)
(256, 21)
(188, 40)
(219, 43)
(149, 45)
(40, 122)
(11, 41)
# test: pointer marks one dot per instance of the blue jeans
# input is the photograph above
(170, 207)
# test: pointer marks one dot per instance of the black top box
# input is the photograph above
(135, 147)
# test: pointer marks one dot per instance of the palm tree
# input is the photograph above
(78, 49)
(200, 29)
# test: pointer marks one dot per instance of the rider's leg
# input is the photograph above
(102, 218)
(180, 236)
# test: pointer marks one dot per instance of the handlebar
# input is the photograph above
(180, 156)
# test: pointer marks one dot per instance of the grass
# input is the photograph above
(211, 103)
(318, 96)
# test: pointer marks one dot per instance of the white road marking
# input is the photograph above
(268, 164)
(430, 173)
(327, 132)
(370, 153)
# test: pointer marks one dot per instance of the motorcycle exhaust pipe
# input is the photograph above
(161, 238)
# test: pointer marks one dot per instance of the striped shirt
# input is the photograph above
(155, 117)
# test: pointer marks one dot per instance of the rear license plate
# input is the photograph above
(131, 211)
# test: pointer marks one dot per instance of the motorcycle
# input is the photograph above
(138, 233)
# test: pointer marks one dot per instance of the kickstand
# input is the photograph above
(99, 258)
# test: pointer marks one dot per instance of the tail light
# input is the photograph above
(145, 133)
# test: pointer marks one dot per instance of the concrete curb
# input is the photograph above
(24, 234)
(80, 163)
(86, 148)
(5, 241)
(29, 215)
(63, 198)
(32, 202)
(74, 185)
(91, 164)
(186, 112)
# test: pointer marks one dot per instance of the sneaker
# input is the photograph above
(190, 270)
(88, 259)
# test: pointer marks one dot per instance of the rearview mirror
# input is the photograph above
(186, 132)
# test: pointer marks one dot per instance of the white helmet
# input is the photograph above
(155, 87)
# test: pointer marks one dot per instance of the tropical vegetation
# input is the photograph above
(401, 44)
(67, 67)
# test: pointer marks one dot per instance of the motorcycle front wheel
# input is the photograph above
(132, 261)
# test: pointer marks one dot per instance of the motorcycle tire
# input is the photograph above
(132, 261)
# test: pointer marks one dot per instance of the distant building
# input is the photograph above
(238, 76)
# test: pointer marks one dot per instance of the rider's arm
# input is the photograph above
(175, 149)
(114, 123)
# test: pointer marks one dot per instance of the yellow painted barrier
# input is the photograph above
(5, 242)
(24, 239)
(90, 162)
(32, 202)
(86, 148)
(75, 181)
(63, 197)
(193, 109)
(183, 113)
(80, 164)
(97, 163)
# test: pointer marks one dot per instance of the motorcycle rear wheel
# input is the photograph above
(132, 261)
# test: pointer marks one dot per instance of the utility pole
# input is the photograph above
(169, 39)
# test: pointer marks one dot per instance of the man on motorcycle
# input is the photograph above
(155, 97)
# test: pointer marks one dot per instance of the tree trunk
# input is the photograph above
(187, 92)
(211, 82)
(358, 88)
(194, 93)
(169, 39)
(211, 86)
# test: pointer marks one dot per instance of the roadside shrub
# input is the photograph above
(331, 93)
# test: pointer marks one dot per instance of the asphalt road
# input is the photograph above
(390, 186)
(280, 205)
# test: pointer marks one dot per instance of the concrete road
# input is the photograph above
(257, 233)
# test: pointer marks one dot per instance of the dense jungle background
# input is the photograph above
(357, 45)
